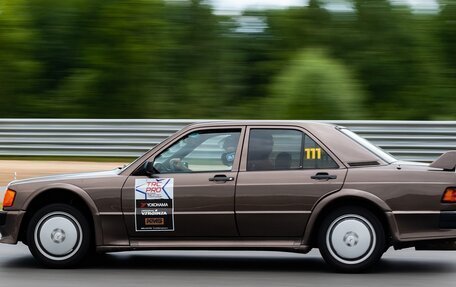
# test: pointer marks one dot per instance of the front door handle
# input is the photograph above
(221, 177)
(323, 175)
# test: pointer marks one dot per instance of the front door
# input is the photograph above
(191, 193)
(284, 171)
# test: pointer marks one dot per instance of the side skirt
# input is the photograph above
(213, 244)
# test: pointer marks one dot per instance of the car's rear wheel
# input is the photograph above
(351, 239)
(59, 236)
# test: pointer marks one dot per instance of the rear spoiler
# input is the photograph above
(446, 161)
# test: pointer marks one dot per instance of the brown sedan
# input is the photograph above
(289, 186)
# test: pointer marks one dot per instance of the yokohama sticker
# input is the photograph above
(154, 206)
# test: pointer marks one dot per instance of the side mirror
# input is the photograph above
(149, 168)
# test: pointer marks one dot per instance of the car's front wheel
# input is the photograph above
(351, 239)
(59, 236)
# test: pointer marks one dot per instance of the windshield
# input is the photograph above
(369, 146)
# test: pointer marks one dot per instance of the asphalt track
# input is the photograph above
(217, 268)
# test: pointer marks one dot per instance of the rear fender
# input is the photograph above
(340, 195)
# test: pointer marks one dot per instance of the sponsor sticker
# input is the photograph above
(154, 221)
(154, 204)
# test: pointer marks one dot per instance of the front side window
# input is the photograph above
(199, 152)
(285, 149)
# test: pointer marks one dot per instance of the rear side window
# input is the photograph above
(315, 157)
(285, 149)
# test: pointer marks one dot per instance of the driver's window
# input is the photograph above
(199, 152)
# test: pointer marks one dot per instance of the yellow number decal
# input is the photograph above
(313, 153)
(307, 150)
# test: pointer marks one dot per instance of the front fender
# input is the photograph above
(77, 191)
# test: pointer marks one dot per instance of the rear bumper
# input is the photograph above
(437, 245)
(10, 223)
(2, 218)
(447, 220)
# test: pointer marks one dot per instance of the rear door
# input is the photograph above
(192, 191)
(284, 171)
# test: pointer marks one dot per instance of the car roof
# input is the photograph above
(302, 123)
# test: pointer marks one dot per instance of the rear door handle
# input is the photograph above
(221, 177)
(323, 175)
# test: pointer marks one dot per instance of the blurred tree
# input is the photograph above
(113, 51)
(18, 68)
(179, 59)
(315, 86)
(447, 32)
(386, 45)
(299, 27)
(191, 60)
(121, 58)
(446, 40)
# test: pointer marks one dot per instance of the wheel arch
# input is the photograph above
(346, 197)
(62, 193)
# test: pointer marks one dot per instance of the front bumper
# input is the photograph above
(10, 224)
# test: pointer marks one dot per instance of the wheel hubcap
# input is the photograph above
(58, 235)
(351, 239)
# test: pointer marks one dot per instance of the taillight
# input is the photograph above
(8, 200)
(450, 195)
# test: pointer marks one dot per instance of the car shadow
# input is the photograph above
(221, 262)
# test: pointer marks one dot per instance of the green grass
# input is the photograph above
(70, 158)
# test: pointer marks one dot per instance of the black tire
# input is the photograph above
(48, 241)
(351, 239)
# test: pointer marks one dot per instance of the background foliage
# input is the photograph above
(179, 59)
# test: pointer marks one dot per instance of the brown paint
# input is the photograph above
(273, 210)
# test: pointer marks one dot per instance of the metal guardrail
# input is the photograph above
(407, 140)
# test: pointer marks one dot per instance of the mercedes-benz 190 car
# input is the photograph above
(258, 185)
